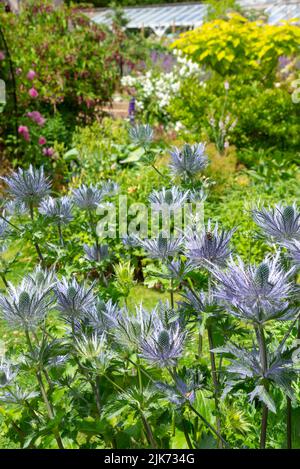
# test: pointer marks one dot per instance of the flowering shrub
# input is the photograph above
(155, 89)
(60, 62)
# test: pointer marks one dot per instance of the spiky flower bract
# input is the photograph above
(4, 228)
(168, 199)
(210, 246)
(58, 210)
(164, 346)
(293, 248)
(96, 253)
(26, 305)
(161, 247)
(28, 186)
(281, 223)
(256, 293)
(94, 350)
(87, 197)
(188, 161)
(141, 134)
(73, 299)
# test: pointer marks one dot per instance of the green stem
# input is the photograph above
(264, 362)
(61, 239)
(37, 248)
(289, 422)
(148, 430)
(44, 394)
(186, 434)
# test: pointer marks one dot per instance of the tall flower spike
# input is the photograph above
(211, 246)
(104, 316)
(58, 210)
(188, 161)
(161, 247)
(28, 186)
(74, 300)
(164, 346)
(26, 305)
(256, 293)
(168, 199)
(141, 134)
(87, 197)
(282, 223)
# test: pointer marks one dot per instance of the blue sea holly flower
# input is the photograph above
(73, 299)
(281, 223)
(161, 247)
(256, 293)
(87, 197)
(188, 161)
(141, 134)
(164, 346)
(168, 199)
(58, 210)
(28, 186)
(210, 246)
(96, 253)
(26, 305)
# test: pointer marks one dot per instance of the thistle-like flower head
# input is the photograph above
(94, 349)
(189, 160)
(96, 253)
(281, 223)
(164, 346)
(161, 247)
(256, 293)
(73, 299)
(26, 305)
(87, 197)
(104, 316)
(210, 246)
(168, 199)
(141, 134)
(28, 186)
(58, 210)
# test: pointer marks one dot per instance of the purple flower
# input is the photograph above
(293, 248)
(256, 293)
(164, 346)
(37, 118)
(161, 247)
(48, 151)
(211, 246)
(31, 75)
(188, 161)
(282, 223)
(33, 93)
(24, 131)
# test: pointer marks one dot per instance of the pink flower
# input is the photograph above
(18, 71)
(48, 151)
(33, 93)
(42, 141)
(37, 117)
(2, 55)
(31, 75)
(23, 130)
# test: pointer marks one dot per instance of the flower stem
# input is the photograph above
(37, 248)
(289, 422)
(44, 395)
(264, 362)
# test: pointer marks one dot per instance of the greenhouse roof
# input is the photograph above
(159, 18)
(190, 15)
